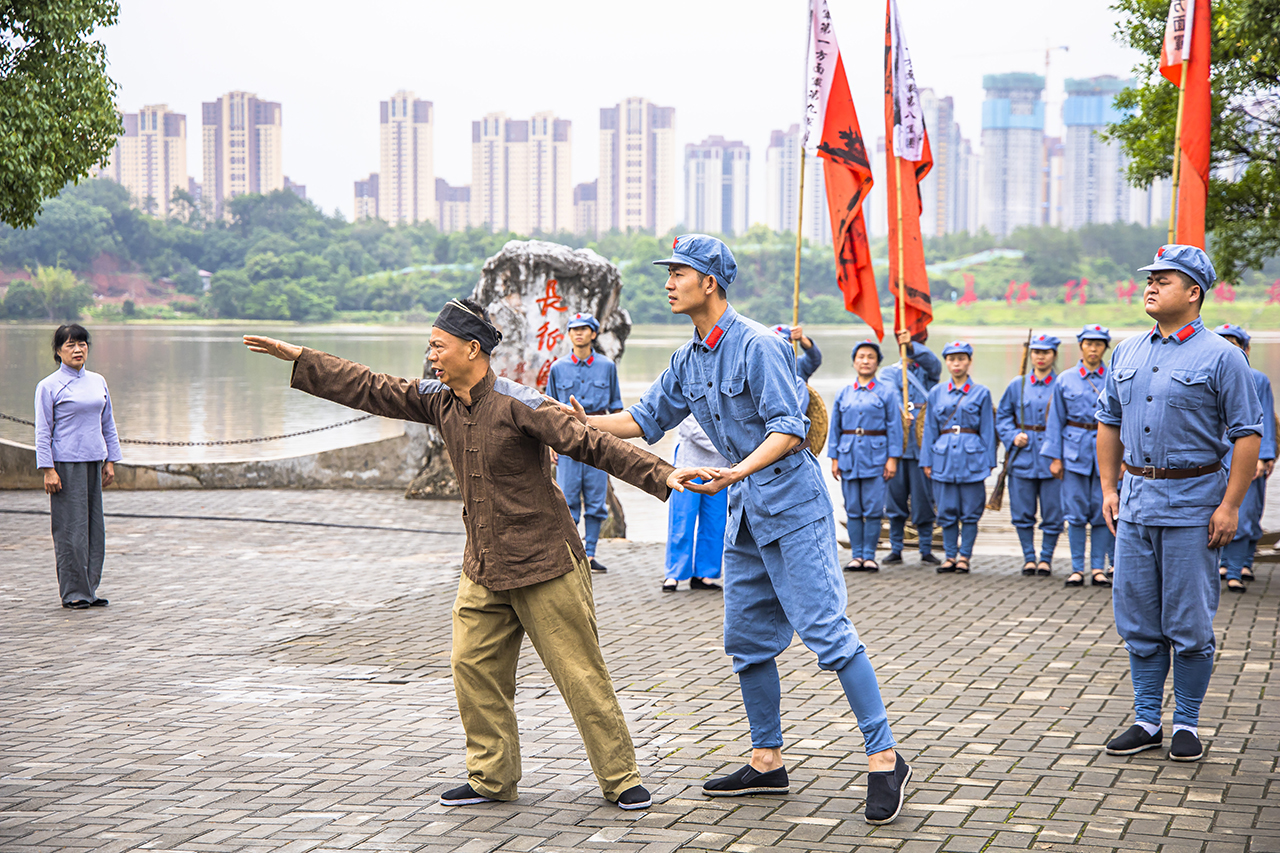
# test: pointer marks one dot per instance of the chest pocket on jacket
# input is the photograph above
(1124, 384)
(738, 397)
(1188, 389)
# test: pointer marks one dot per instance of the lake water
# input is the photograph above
(199, 383)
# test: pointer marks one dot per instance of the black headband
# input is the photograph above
(460, 321)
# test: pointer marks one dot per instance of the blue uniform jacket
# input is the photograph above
(922, 376)
(870, 407)
(1262, 386)
(1174, 399)
(593, 381)
(1075, 398)
(1027, 462)
(954, 456)
(740, 384)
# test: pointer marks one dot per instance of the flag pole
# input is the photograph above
(1177, 154)
(795, 297)
(902, 323)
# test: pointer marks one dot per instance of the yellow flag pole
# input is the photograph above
(1177, 155)
(902, 295)
(795, 298)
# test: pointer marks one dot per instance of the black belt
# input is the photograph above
(1092, 426)
(1150, 473)
(1030, 427)
(956, 429)
(861, 431)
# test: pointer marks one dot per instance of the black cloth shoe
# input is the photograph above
(597, 566)
(1134, 740)
(895, 557)
(886, 789)
(699, 583)
(76, 605)
(635, 797)
(865, 566)
(928, 559)
(99, 602)
(464, 795)
(1185, 746)
(748, 780)
(670, 585)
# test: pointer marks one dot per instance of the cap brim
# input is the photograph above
(1160, 266)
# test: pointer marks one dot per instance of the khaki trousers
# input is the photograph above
(560, 618)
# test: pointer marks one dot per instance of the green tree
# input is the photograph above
(57, 110)
(23, 301)
(1244, 188)
(64, 294)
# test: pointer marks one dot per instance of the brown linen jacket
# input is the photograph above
(516, 517)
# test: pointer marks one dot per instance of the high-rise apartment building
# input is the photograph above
(584, 208)
(637, 184)
(366, 198)
(406, 179)
(150, 158)
(521, 177)
(782, 188)
(1013, 152)
(716, 186)
(944, 192)
(1094, 186)
(242, 144)
(455, 206)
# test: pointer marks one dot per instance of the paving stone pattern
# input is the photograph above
(279, 687)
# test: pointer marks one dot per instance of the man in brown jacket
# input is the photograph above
(524, 570)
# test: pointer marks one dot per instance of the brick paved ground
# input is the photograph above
(265, 687)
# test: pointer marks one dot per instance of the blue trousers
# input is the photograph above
(959, 503)
(1082, 508)
(864, 505)
(1024, 494)
(775, 590)
(695, 534)
(1237, 555)
(586, 490)
(909, 494)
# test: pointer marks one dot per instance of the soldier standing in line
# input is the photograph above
(910, 494)
(1177, 398)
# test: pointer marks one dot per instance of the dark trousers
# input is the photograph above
(78, 529)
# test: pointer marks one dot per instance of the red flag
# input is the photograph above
(1187, 43)
(906, 148)
(846, 167)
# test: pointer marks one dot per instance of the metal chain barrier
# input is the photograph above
(222, 443)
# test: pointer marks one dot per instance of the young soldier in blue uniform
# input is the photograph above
(909, 493)
(1237, 557)
(864, 446)
(592, 378)
(957, 453)
(1071, 442)
(782, 575)
(1021, 422)
(807, 362)
(1176, 399)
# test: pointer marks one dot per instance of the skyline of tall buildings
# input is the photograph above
(242, 148)
(406, 165)
(782, 188)
(636, 186)
(150, 157)
(717, 186)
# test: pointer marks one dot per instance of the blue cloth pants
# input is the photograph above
(1237, 555)
(864, 505)
(1082, 509)
(1190, 682)
(586, 490)
(909, 494)
(1024, 493)
(959, 503)
(695, 536)
(777, 589)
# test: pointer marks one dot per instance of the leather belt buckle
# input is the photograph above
(955, 429)
(859, 431)
(1149, 472)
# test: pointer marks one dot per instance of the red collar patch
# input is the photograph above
(1084, 371)
(577, 360)
(1046, 380)
(1185, 332)
(870, 386)
(951, 386)
(712, 339)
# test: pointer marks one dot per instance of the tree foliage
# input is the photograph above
(1243, 212)
(57, 111)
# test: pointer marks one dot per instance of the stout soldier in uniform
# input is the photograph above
(1176, 398)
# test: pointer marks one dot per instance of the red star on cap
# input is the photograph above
(1160, 252)
(673, 243)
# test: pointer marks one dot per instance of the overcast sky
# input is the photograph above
(732, 68)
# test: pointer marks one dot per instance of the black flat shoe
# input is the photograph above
(962, 565)
(1185, 747)
(1100, 579)
(748, 780)
(1046, 571)
(635, 797)
(670, 585)
(868, 566)
(1222, 572)
(1134, 740)
(1246, 574)
(946, 567)
(699, 583)
(76, 605)
(886, 791)
(853, 566)
(1234, 585)
(464, 795)
(597, 566)
(894, 557)
(1074, 579)
(928, 560)
(99, 602)
(1029, 570)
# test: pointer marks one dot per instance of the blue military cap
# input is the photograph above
(1094, 333)
(868, 343)
(1044, 342)
(957, 347)
(1228, 330)
(707, 255)
(782, 331)
(583, 320)
(1185, 259)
